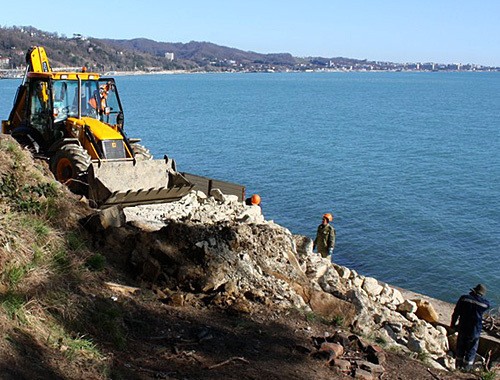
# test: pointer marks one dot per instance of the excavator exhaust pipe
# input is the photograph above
(132, 183)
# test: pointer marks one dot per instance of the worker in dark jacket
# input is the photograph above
(325, 237)
(469, 314)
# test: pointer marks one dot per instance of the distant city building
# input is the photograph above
(169, 56)
(4, 62)
(77, 36)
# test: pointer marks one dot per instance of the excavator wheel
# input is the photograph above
(70, 165)
(141, 152)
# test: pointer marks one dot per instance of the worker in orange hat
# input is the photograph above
(325, 237)
(254, 200)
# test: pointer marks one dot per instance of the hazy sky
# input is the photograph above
(461, 31)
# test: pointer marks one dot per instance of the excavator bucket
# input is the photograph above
(130, 183)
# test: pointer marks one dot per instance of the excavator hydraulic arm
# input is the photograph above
(37, 61)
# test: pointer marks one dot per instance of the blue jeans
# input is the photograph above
(466, 350)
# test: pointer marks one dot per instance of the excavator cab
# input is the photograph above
(75, 120)
(99, 100)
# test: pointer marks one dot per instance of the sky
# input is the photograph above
(441, 31)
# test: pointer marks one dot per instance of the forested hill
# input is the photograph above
(143, 54)
(202, 52)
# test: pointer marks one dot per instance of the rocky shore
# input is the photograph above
(215, 244)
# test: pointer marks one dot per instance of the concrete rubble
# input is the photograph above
(220, 247)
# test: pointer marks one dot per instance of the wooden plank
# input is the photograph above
(206, 184)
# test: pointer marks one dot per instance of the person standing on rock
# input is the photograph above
(469, 312)
(325, 237)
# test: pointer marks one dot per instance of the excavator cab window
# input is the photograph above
(65, 99)
(90, 99)
(110, 102)
(39, 108)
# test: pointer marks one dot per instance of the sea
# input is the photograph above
(408, 163)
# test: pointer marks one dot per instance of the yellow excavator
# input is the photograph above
(75, 121)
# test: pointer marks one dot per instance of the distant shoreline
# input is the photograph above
(175, 72)
(20, 73)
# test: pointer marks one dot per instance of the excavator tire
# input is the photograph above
(141, 152)
(70, 165)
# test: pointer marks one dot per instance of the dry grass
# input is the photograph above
(42, 263)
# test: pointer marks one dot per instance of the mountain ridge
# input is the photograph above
(144, 54)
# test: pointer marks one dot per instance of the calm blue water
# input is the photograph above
(408, 163)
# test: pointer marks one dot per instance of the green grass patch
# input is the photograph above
(81, 346)
(13, 148)
(38, 254)
(96, 262)
(487, 375)
(61, 261)
(14, 273)
(75, 242)
(75, 346)
(24, 197)
(38, 226)
(338, 320)
(13, 305)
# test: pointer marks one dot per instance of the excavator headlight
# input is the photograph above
(64, 76)
(91, 77)
(75, 131)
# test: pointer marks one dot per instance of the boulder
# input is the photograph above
(218, 195)
(329, 306)
(375, 369)
(359, 299)
(407, 307)
(335, 348)
(426, 311)
(104, 219)
(343, 272)
(342, 364)
(416, 345)
(372, 287)
(363, 375)
(376, 354)
(304, 245)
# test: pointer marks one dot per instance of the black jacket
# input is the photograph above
(469, 313)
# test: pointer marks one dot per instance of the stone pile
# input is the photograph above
(382, 313)
(215, 244)
(196, 207)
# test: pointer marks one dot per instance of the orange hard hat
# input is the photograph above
(328, 216)
(255, 199)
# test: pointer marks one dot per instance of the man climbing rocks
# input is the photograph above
(325, 237)
(469, 313)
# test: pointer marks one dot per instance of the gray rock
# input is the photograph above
(416, 345)
(407, 307)
(343, 272)
(217, 195)
(372, 287)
